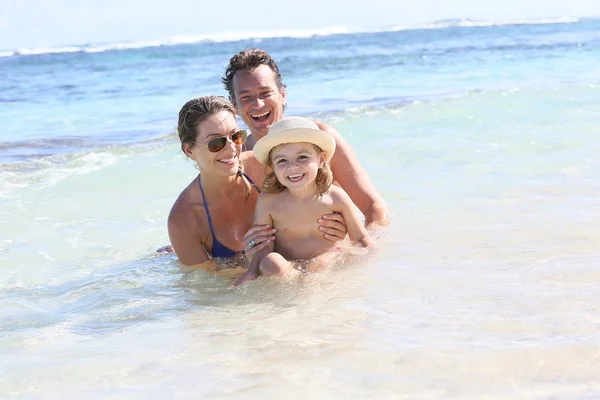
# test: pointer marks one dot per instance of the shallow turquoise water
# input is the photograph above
(484, 141)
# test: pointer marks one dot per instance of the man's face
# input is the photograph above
(257, 99)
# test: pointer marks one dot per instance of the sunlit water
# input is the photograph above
(485, 285)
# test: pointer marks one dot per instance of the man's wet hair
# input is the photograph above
(249, 60)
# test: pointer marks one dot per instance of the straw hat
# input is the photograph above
(294, 130)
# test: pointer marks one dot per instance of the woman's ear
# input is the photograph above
(187, 149)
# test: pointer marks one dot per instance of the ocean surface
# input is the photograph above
(483, 137)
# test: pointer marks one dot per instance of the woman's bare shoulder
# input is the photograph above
(188, 226)
(186, 210)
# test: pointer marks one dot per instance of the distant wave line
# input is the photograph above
(299, 34)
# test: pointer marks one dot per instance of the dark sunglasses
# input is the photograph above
(217, 144)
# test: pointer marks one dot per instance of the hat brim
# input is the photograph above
(324, 140)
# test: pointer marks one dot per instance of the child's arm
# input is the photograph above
(262, 216)
(356, 230)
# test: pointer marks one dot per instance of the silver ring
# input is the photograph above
(251, 244)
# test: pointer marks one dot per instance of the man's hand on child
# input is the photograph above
(333, 227)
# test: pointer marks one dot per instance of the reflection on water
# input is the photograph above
(485, 284)
(412, 320)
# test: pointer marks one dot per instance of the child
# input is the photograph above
(296, 194)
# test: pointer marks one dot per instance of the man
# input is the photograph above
(257, 92)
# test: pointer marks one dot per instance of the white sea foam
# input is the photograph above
(298, 33)
(45, 50)
(176, 40)
(468, 23)
(51, 170)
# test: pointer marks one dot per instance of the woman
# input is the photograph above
(212, 214)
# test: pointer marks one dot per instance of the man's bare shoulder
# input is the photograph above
(248, 160)
(327, 128)
(343, 149)
(353, 178)
(252, 167)
(247, 157)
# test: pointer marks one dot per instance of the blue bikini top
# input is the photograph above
(219, 249)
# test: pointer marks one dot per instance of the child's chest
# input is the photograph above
(299, 219)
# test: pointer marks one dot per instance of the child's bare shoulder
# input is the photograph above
(339, 195)
(267, 200)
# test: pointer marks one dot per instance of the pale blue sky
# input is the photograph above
(42, 23)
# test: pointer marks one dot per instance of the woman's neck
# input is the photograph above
(222, 186)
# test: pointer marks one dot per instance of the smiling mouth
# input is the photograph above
(295, 178)
(261, 117)
(228, 160)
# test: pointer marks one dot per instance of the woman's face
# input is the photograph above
(224, 161)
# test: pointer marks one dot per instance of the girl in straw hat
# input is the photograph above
(296, 193)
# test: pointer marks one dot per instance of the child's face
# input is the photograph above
(296, 164)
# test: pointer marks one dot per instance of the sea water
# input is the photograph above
(483, 138)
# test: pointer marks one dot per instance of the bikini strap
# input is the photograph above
(206, 208)
(250, 180)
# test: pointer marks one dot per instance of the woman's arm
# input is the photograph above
(186, 238)
(262, 217)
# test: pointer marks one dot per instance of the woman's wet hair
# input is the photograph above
(323, 180)
(249, 60)
(198, 110)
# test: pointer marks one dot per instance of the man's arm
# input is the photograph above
(353, 178)
(356, 230)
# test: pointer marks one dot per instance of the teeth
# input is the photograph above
(227, 160)
(260, 115)
(295, 177)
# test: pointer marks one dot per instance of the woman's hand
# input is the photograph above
(257, 238)
(333, 227)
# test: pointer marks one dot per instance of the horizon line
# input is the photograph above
(223, 37)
